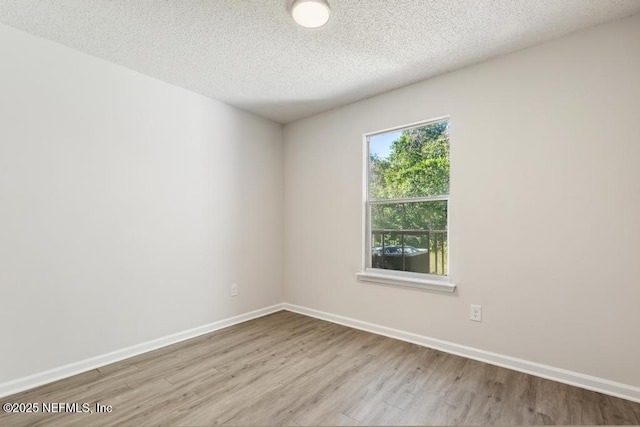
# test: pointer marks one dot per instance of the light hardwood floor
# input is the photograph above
(289, 369)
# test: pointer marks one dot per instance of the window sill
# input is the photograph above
(412, 282)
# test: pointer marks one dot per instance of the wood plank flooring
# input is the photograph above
(289, 369)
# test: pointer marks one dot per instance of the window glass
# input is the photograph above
(408, 191)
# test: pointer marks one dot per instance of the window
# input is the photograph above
(406, 206)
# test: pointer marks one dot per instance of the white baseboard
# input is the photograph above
(588, 382)
(577, 379)
(36, 380)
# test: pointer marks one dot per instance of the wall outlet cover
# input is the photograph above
(475, 313)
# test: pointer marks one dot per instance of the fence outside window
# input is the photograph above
(420, 251)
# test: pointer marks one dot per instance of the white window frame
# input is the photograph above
(395, 277)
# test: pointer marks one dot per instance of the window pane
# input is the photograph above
(410, 237)
(410, 163)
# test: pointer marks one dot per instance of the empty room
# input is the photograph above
(319, 212)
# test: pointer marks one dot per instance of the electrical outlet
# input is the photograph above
(475, 313)
(234, 290)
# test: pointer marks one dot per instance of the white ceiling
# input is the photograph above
(250, 53)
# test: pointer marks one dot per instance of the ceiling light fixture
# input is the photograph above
(310, 13)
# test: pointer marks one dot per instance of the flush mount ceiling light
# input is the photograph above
(310, 13)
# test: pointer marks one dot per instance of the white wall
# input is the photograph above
(545, 205)
(127, 207)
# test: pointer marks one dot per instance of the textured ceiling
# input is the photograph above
(250, 54)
